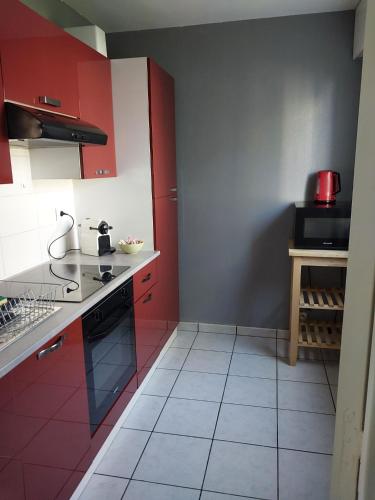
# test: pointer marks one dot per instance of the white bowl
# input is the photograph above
(131, 247)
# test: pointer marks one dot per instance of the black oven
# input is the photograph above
(110, 357)
(322, 226)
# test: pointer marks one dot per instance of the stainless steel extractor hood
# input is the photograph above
(42, 128)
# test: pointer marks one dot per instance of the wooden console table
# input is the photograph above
(312, 333)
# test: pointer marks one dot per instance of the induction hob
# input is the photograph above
(69, 282)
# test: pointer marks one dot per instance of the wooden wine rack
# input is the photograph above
(313, 333)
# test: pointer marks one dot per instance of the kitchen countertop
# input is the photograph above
(19, 350)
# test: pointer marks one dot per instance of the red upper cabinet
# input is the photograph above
(38, 67)
(5, 165)
(96, 107)
(162, 123)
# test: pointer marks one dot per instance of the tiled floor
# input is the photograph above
(224, 417)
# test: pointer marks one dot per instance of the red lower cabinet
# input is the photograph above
(150, 329)
(44, 431)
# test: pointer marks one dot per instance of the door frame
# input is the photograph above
(360, 291)
(366, 481)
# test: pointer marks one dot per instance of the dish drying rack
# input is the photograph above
(22, 314)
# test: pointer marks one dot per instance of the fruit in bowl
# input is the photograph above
(131, 245)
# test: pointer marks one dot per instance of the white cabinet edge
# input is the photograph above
(359, 29)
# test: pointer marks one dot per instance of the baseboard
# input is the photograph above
(107, 443)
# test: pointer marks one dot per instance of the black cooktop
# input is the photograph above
(70, 282)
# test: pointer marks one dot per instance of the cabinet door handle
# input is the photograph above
(148, 298)
(44, 99)
(147, 278)
(54, 347)
(173, 199)
(173, 190)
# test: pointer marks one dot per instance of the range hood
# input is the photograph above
(42, 128)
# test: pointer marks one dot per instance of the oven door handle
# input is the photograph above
(92, 336)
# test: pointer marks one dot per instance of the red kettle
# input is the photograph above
(327, 186)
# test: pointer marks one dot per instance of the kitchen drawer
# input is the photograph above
(149, 328)
(144, 279)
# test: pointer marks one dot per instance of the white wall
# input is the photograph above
(125, 201)
(28, 219)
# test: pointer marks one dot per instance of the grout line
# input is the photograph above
(247, 404)
(277, 422)
(234, 495)
(245, 443)
(217, 417)
(329, 385)
(209, 350)
(152, 431)
(244, 376)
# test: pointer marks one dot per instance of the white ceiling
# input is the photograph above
(129, 15)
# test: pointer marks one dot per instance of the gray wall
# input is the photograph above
(260, 106)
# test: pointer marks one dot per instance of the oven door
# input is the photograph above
(110, 356)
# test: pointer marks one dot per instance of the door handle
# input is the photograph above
(148, 298)
(102, 172)
(44, 99)
(54, 347)
(147, 278)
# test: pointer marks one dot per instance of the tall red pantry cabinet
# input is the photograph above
(163, 167)
(144, 114)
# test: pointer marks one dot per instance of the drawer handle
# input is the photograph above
(44, 99)
(102, 172)
(173, 190)
(54, 347)
(147, 278)
(148, 298)
(173, 199)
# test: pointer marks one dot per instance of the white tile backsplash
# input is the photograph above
(20, 251)
(19, 214)
(28, 210)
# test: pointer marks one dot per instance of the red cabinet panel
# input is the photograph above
(44, 429)
(166, 240)
(162, 123)
(144, 279)
(163, 149)
(150, 328)
(37, 60)
(5, 165)
(11, 481)
(36, 486)
(95, 100)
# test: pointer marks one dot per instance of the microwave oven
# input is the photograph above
(322, 226)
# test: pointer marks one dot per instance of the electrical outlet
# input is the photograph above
(58, 213)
